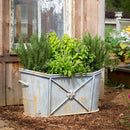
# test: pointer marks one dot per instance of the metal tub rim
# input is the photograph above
(45, 75)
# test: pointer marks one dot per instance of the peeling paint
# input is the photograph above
(57, 6)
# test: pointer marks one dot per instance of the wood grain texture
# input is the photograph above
(92, 16)
(101, 19)
(85, 16)
(13, 88)
(2, 84)
(6, 24)
(18, 19)
(30, 19)
(77, 18)
(1, 27)
(9, 59)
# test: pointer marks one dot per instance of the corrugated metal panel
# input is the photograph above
(46, 95)
(13, 88)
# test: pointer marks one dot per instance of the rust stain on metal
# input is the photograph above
(27, 106)
(26, 102)
(35, 104)
(39, 92)
(32, 80)
(25, 79)
(83, 99)
(67, 108)
(44, 85)
(34, 72)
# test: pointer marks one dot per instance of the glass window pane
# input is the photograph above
(52, 16)
(25, 17)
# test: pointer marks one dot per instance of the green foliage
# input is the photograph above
(99, 48)
(33, 55)
(113, 64)
(126, 113)
(119, 5)
(117, 47)
(69, 56)
(112, 37)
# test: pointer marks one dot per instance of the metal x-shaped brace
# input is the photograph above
(71, 95)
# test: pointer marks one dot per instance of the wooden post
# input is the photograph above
(69, 18)
(1, 29)
(101, 18)
(30, 19)
(18, 19)
(92, 17)
(6, 25)
(2, 84)
(77, 18)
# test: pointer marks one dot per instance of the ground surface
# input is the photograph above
(108, 118)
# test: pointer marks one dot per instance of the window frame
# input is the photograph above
(68, 19)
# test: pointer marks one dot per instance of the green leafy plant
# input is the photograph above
(99, 48)
(69, 56)
(126, 113)
(118, 46)
(35, 54)
(66, 56)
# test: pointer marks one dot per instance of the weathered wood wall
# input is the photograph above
(89, 17)
(10, 90)
(2, 83)
(2, 88)
(13, 88)
(1, 30)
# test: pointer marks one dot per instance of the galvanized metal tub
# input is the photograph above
(51, 94)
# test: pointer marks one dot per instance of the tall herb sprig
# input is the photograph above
(99, 48)
(35, 54)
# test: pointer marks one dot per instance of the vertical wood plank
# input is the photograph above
(77, 18)
(101, 21)
(6, 24)
(92, 16)
(18, 21)
(73, 18)
(13, 88)
(82, 17)
(85, 16)
(68, 17)
(2, 85)
(30, 19)
(1, 25)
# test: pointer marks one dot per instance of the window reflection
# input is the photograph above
(25, 19)
(31, 17)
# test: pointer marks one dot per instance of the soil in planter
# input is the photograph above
(109, 116)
